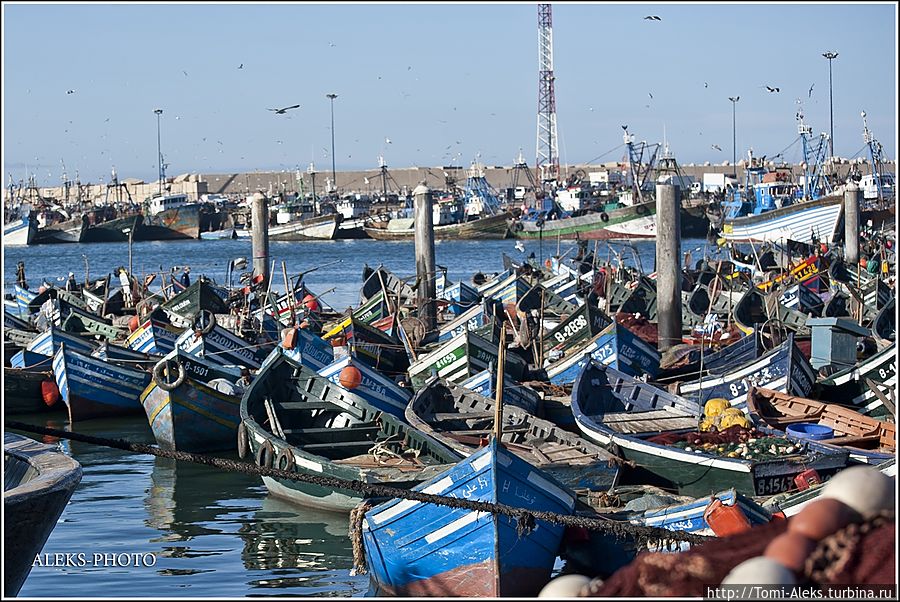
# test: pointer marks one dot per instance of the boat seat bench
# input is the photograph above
(649, 421)
(441, 416)
(333, 430)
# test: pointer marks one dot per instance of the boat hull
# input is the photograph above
(795, 222)
(94, 388)
(633, 221)
(171, 224)
(192, 417)
(114, 230)
(318, 228)
(494, 227)
(417, 549)
(22, 393)
(39, 480)
(20, 232)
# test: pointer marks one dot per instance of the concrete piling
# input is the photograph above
(851, 224)
(425, 266)
(668, 266)
(260, 237)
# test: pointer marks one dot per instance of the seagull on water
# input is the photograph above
(520, 246)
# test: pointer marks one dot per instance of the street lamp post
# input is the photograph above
(830, 56)
(733, 100)
(332, 96)
(159, 149)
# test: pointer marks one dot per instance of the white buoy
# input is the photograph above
(865, 489)
(565, 586)
(760, 571)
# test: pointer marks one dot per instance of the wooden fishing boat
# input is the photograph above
(627, 221)
(48, 343)
(374, 388)
(67, 231)
(884, 326)
(514, 394)
(79, 321)
(382, 351)
(461, 357)
(308, 349)
(296, 420)
(869, 440)
(616, 346)
(646, 423)
(418, 549)
(192, 404)
(866, 386)
(223, 346)
(491, 227)
(38, 481)
(95, 388)
(472, 319)
(23, 391)
(756, 308)
(379, 280)
(29, 360)
(460, 297)
(12, 321)
(460, 419)
(586, 322)
(783, 368)
(692, 361)
(183, 307)
(22, 338)
(321, 227)
(154, 336)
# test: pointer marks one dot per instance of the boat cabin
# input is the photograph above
(158, 204)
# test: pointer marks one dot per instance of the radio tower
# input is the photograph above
(547, 155)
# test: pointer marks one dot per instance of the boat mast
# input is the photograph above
(876, 157)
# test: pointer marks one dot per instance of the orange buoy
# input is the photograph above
(133, 324)
(50, 392)
(311, 303)
(350, 377)
(863, 262)
(338, 341)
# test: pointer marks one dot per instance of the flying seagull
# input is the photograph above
(70, 91)
(717, 147)
(241, 66)
(705, 84)
(771, 89)
(652, 18)
(650, 95)
(625, 127)
(284, 110)
(185, 72)
(810, 91)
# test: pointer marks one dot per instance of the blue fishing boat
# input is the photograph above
(11, 320)
(615, 346)
(153, 336)
(48, 342)
(693, 360)
(29, 360)
(485, 383)
(784, 369)
(223, 347)
(375, 388)
(95, 388)
(419, 549)
(24, 297)
(192, 404)
(460, 297)
(308, 349)
(471, 319)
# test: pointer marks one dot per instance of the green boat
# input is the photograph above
(463, 356)
(295, 420)
(865, 386)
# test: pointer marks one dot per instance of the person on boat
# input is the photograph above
(20, 275)
(71, 283)
(186, 276)
(244, 381)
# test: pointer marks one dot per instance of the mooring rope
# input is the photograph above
(525, 518)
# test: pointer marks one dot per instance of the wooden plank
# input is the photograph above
(506, 429)
(309, 405)
(343, 429)
(441, 416)
(366, 444)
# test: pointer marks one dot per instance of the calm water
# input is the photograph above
(216, 533)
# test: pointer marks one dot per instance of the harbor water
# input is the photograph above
(140, 526)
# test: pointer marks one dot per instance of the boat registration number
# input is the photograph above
(772, 485)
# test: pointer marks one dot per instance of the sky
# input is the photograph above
(429, 84)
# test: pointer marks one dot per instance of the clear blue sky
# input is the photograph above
(442, 82)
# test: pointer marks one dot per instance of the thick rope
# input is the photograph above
(524, 518)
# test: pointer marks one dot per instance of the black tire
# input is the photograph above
(540, 223)
(519, 227)
(243, 441)
(641, 210)
(265, 455)
(604, 217)
(204, 321)
(285, 460)
(163, 371)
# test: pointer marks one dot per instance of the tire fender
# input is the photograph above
(204, 321)
(162, 372)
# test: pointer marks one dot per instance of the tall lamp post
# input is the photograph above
(159, 149)
(733, 100)
(830, 56)
(332, 96)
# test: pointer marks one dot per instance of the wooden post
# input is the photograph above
(668, 266)
(851, 224)
(260, 237)
(498, 392)
(289, 293)
(424, 237)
